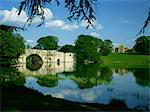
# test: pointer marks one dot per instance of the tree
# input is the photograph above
(106, 47)
(67, 48)
(142, 45)
(10, 76)
(47, 43)
(86, 48)
(78, 9)
(11, 46)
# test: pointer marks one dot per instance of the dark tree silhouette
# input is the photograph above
(78, 9)
(146, 24)
(7, 27)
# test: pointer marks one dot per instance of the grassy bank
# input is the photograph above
(126, 60)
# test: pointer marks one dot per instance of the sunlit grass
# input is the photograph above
(126, 60)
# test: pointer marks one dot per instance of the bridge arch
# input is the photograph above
(30, 52)
(34, 62)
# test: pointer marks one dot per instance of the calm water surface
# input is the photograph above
(91, 83)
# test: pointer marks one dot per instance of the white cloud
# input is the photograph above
(95, 34)
(60, 24)
(47, 14)
(70, 27)
(30, 41)
(13, 17)
(54, 23)
(98, 26)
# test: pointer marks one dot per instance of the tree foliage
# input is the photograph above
(47, 43)
(11, 45)
(78, 9)
(106, 47)
(67, 48)
(86, 48)
(142, 45)
(10, 76)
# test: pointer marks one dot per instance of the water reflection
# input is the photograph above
(121, 71)
(142, 76)
(87, 76)
(85, 83)
(97, 84)
(48, 68)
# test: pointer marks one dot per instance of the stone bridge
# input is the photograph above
(48, 56)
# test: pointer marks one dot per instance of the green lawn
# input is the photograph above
(126, 60)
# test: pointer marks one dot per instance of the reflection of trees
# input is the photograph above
(11, 76)
(106, 74)
(48, 80)
(87, 70)
(90, 75)
(121, 71)
(86, 82)
(142, 76)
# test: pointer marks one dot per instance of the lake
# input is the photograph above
(92, 83)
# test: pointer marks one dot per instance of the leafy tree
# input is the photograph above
(86, 48)
(10, 76)
(47, 43)
(106, 47)
(142, 45)
(67, 48)
(78, 9)
(11, 46)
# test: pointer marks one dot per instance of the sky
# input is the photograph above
(117, 20)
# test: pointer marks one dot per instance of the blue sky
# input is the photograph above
(117, 20)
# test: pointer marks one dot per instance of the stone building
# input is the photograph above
(121, 49)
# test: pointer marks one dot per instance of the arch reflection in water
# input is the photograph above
(48, 68)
